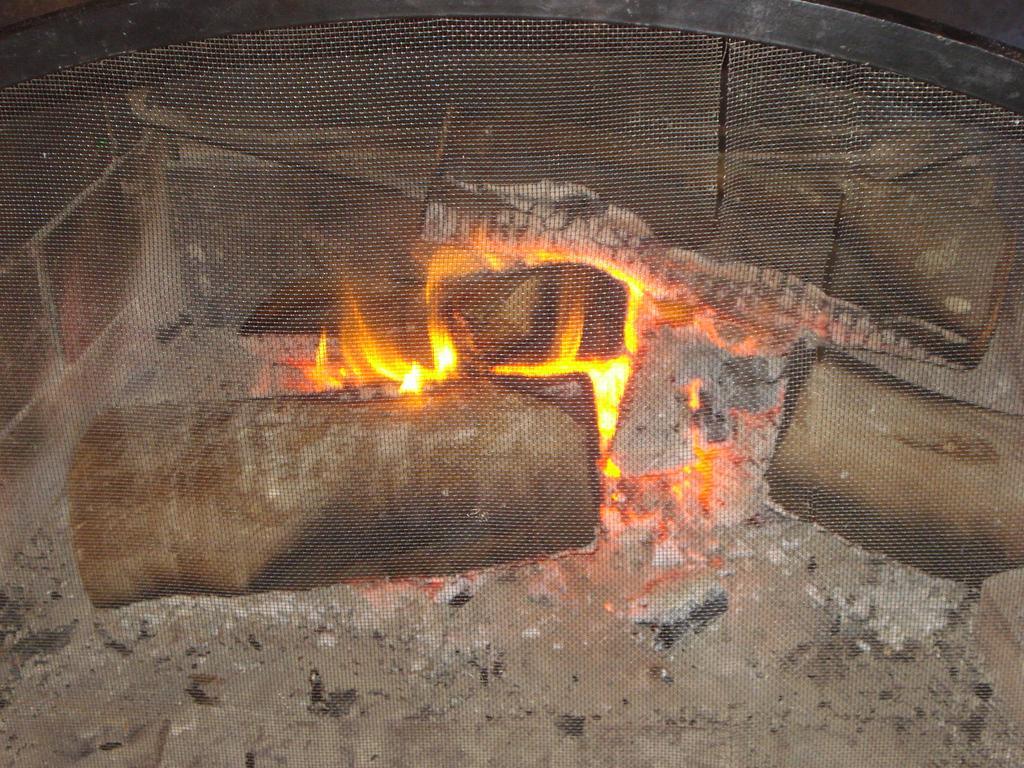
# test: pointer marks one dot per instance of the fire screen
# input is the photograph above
(508, 392)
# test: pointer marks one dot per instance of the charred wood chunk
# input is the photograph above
(926, 479)
(527, 315)
(297, 492)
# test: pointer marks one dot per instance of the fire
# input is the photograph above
(693, 395)
(607, 376)
(704, 463)
(363, 354)
(368, 356)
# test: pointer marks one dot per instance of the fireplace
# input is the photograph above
(385, 386)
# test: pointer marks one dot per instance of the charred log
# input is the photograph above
(517, 316)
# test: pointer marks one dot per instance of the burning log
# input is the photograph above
(519, 315)
(296, 492)
(927, 479)
(765, 304)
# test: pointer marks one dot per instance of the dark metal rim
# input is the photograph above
(95, 31)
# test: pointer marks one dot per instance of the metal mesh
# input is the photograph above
(507, 392)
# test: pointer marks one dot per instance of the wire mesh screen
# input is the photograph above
(506, 392)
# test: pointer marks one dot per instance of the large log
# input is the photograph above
(925, 478)
(296, 492)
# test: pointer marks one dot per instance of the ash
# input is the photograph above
(787, 646)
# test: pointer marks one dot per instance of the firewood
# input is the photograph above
(296, 492)
(946, 263)
(512, 316)
(518, 315)
(404, 159)
(925, 478)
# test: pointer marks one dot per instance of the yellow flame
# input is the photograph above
(611, 469)
(705, 456)
(413, 380)
(608, 376)
(442, 348)
(321, 352)
(369, 356)
(693, 394)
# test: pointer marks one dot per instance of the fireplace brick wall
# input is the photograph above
(73, 190)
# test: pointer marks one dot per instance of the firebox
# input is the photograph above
(439, 383)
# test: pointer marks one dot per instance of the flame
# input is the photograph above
(607, 376)
(693, 394)
(369, 356)
(320, 375)
(703, 465)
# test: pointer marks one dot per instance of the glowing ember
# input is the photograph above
(703, 466)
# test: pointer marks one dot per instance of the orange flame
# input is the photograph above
(368, 356)
(703, 465)
(693, 394)
(608, 376)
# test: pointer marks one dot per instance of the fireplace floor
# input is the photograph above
(796, 649)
